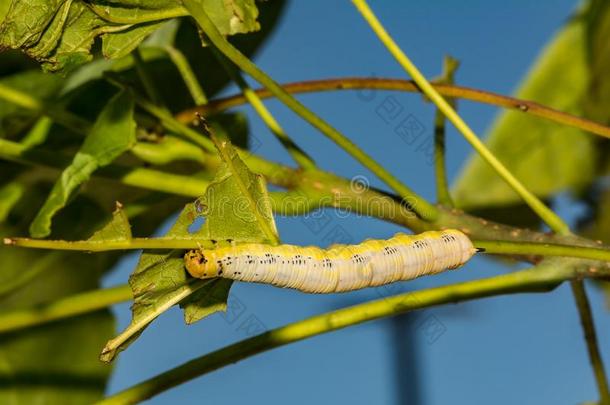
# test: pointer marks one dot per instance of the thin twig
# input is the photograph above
(377, 83)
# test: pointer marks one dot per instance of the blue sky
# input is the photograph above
(524, 349)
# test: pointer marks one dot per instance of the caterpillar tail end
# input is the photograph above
(480, 250)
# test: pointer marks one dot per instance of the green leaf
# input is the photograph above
(232, 16)
(158, 283)
(206, 301)
(597, 105)
(243, 195)
(160, 280)
(60, 33)
(168, 149)
(546, 157)
(117, 229)
(182, 35)
(112, 134)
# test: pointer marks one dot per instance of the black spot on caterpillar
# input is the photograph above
(339, 268)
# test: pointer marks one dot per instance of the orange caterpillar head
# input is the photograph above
(202, 265)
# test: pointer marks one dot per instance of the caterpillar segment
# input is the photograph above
(339, 268)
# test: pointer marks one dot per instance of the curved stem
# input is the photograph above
(540, 278)
(420, 205)
(188, 76)
(373, 83)
(552, 219)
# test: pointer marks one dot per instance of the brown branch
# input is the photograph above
(357, 83)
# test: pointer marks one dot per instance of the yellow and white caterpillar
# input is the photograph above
(339, 268)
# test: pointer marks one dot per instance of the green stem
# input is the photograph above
(420, 205)
(56, 113)
(588, 326)
(375, 83)
(299, 156)
(503, 247)
(146, 79)
(554, 221)
(450, 65)
(150, 15)
(83, 303)
(442, 187)
(541, 278)
(20, 98)
(185, 70)
(107, 245)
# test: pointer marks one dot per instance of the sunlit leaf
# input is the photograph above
(118, 229)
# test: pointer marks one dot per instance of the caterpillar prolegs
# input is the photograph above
(336, 269)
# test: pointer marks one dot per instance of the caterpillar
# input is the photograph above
(339, 268)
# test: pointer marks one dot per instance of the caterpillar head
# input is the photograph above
(200, 264)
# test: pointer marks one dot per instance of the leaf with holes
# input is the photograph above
(160, 280)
